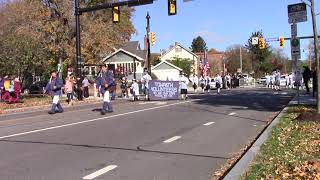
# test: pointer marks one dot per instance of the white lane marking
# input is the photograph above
(209, 123)
(245, 107)
(284, 93)
(100, 172)
(156, 103)
(172, 139)
(231, 114)
(254, 125)
(92, 120)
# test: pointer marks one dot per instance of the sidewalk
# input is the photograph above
(244, 163)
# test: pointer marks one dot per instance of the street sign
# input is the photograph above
(294, 31)
(295, 48)
(272, 39)
(297, 13)
(255, 40)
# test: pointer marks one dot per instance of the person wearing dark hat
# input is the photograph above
(53, 88)
(104, 85)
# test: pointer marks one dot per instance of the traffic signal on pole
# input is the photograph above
(262, 43)
(172, 7)
(281, 40)
(153, 38)
(116, 14)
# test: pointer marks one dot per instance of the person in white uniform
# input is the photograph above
(183, 81)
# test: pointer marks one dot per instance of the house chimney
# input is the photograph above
(145, 45)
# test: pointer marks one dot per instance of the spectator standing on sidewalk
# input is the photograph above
(135, 90)
(85, 85)
(68, 87)
(15, 96)
(53, 88)
(306, 77)
(104, 85)
(124, 87)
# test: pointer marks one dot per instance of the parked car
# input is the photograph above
(35, 88)
(262, 80)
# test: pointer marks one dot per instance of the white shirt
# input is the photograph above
(195, 80)
(218, 79)
(183, 82)
(85, 83)
(145, 79)
(135, 88)
(228, 78)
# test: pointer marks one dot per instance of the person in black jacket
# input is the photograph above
(306, 77)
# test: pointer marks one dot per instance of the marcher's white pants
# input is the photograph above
(56, 99)
(106, 97)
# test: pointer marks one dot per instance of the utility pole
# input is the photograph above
(240, 60)
(78, 48)
(148, 42)
(315, 33)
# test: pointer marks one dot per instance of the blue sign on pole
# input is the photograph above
(163, 90)
(271, 39)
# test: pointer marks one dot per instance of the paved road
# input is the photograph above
(174, 140)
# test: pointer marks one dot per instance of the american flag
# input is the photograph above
(205, 65)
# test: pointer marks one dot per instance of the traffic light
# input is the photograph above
(116, 14)
(153, 38)
(281, 39)
(172, 7)
(262, 43)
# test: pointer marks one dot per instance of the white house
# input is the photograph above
(181, 52)
(129, 59)
(166, 71)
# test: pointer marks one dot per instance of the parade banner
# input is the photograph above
(163, 90)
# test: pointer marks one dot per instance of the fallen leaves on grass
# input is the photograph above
(27, 102)
(291, 152)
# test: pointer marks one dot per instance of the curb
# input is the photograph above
(243, 164)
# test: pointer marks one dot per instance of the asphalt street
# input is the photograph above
(172, 140)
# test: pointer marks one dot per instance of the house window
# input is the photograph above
(178, 49)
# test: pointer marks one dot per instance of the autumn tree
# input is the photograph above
(49, 24)
(232, 59)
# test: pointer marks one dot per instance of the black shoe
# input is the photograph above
(103, 113)
(109, 111)
(51, 112)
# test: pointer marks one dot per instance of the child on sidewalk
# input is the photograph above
(135, 90)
